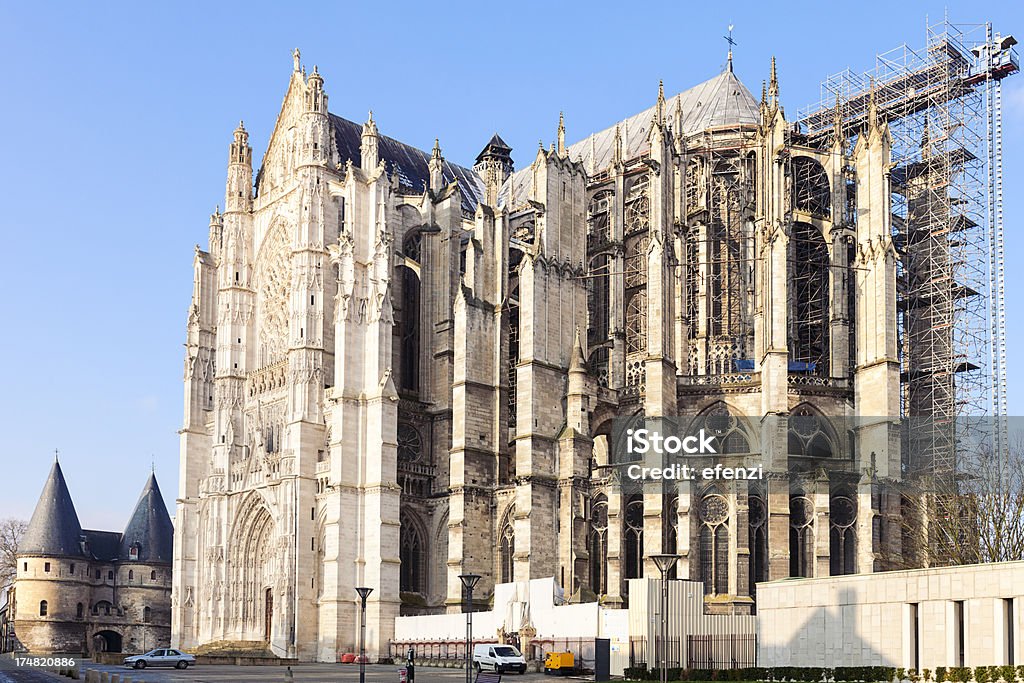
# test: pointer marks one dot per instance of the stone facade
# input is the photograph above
(81, 591)
(400, 370)
(919, 619)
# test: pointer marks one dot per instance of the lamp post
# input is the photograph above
(665, 564)
(468, 583)
(363, 594)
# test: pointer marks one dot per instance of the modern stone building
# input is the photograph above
(400, 370)
(918, 619)
(84, 591)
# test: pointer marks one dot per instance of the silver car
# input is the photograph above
(160, 657)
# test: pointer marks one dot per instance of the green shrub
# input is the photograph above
(926, 675)
(941, 674)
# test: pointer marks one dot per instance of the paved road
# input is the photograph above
(304, 673)
(11, 673)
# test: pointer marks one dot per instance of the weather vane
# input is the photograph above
(731, 43)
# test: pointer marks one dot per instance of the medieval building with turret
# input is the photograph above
(400, 370)
(79, 591)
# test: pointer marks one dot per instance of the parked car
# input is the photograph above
(161, 657)
(498, 658)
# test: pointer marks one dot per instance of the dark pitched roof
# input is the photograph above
(149, 528)
(411, 163)
(496, 147)
(54, 528)
(102, 545)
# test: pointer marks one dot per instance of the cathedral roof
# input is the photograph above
(149, 529)
(54, 528)
(410, 162)
(719, 101)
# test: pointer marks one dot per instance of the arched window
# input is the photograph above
(757, 524)
(714, 542)
(637, 206)
(44, 608)
(507, 545)
(133, 552)
(410, 330)
(809, 299)
(146, 615)
(79, 611)
(842, 516)
(728, 265)
(599, 545)
(513, 353)
(413, 556)
(694, 185)
(633, 537)
(636, 261)
(636, 323)
(152, 575)
(691, 256)
(727, 429)
(811, 191)
(598, 297)
(131, 575)
(808, 434)
(598, 225)
(671, 527)
(801, 536)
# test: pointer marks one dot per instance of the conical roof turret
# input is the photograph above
(149, 536)
(54, 529)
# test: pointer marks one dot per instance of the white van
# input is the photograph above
(488, 656)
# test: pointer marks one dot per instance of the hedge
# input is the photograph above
(839, 674)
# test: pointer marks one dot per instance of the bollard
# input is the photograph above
(104, 677)
(126, 679)
(115, 678)
(76, 671)
(288, 675)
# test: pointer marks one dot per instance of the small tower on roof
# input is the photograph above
(149, 534)
(494, 165)
(54, 529)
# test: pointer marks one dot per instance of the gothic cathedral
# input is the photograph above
(400, 370)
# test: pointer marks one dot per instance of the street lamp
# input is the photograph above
(363, 594)
(665, 564)
(468, 583)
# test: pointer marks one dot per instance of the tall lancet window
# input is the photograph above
(842, 517)
(801, 536)
(757, 523)
(713, 539)
(412, 552)
(811, 191)
(637, 220)
(633, 537)
(808, 300)
(599, 545)
(728, 266)
(507, 546)
(410, 317)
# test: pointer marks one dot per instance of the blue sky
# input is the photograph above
(116, 121)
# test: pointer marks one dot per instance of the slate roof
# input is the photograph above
(413, 171)
(54, 528)
(149, 527)
(719, 101)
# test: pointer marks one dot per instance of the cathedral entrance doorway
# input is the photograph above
(268, 616)
(106, 641)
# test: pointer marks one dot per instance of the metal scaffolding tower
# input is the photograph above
(943, 108)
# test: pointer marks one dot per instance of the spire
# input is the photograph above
(561, 133)
(731, 42)
(659, 107)
(773, 83)
(368, 151)
(436, 167)
(617, 146)
(872, 106)
(149, 535)
(837, 120)
(316, 98)
(494, 165)
(764, 93)
(54, 528)
(577, 362)
(296, 60)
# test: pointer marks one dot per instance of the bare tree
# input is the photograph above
(11, 531)
(974, 516)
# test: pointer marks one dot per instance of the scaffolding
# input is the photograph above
(942, 105)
